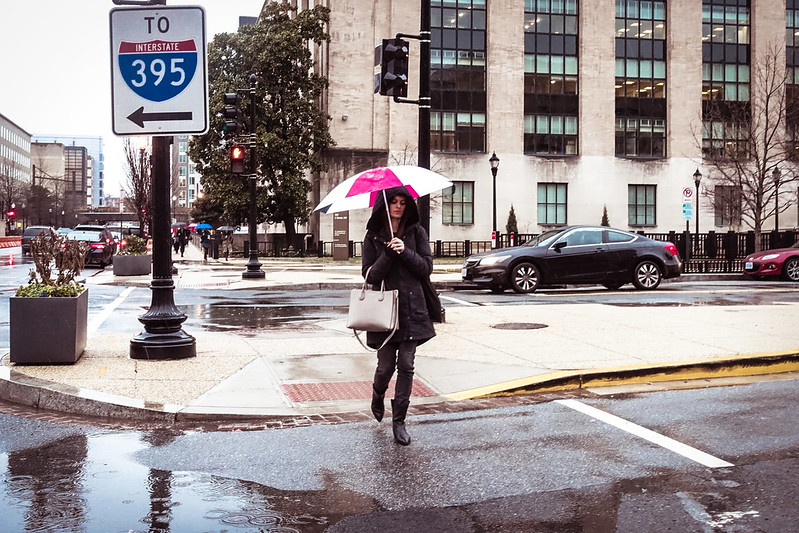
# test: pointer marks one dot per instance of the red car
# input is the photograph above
(779, 262)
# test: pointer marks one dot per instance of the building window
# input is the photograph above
(550, 77)
(457, 204)
(458, 75)
(641, 205)
(792, 76)
(727, 205)
(725, 78)
(640, 78)
(552, 203)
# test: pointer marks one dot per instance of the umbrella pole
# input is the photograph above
(388, 214)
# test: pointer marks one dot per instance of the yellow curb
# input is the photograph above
(716, 367)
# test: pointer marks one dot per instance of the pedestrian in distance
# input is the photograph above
(399, 255)
(184, 234)
(205, 242)
(176, 241)
(227, 244)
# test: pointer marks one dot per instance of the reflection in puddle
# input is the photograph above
(248, 317)
(93, 484)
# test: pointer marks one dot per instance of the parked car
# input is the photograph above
(101, 246)
(107, 234)
(576, 255)
(782, 262)
(29, 233)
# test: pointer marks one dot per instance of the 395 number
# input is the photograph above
(158, 70)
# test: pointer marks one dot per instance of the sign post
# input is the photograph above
(159, 87)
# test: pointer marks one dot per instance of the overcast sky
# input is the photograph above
(55, 63)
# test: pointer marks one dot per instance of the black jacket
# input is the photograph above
(405, 272)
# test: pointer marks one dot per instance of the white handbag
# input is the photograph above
(375, 311)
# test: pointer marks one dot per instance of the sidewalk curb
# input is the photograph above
(720, 367)
(41, 394)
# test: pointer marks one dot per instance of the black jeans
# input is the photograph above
(399, 356)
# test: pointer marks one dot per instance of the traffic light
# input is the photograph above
(11, 213)
(232, 114)
(237, 159)
(394, 68)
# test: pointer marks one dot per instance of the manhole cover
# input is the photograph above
(518, 325)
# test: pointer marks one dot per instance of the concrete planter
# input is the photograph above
(133, 265)
(48, 330)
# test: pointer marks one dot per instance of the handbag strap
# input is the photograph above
(381, 346)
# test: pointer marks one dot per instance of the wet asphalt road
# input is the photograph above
(542, 467)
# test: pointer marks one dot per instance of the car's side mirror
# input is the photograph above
(559, 245)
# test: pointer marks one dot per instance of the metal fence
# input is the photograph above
(711, 252)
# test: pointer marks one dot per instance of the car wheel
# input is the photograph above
(647, 275)
(524, 278)
(790, 270)
(613, 286)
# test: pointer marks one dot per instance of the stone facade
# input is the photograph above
(372, 130)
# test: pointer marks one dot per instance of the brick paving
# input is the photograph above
(343, 390)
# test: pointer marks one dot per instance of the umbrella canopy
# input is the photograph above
(225, 228)
(176, 225)
(203, 225)
(360, 190)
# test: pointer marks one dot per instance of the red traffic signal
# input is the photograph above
(237, 159)
(11, 213)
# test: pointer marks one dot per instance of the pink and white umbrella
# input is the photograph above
(360, 191)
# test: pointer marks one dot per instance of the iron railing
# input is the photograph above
(712, 252)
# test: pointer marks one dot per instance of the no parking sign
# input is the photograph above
(159, 75)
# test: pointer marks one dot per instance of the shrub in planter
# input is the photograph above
(133, 260)
(48, 316)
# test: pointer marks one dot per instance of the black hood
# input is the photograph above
(378, 222)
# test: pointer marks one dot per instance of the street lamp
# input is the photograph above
(776, 174)
(494, 162)
(697, 179)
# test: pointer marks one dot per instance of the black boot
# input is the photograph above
(398, 411)
(378, 408)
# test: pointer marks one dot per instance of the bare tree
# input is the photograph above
(137, 193)
(744, 143)
(12, 190)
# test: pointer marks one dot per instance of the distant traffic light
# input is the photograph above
(394, 68)
(11, 213)
(232, 114)
(237, 159)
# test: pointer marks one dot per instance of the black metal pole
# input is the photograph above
(163, 336)
(424, 108)
(696, 244)
(494, 211)
(253, 265)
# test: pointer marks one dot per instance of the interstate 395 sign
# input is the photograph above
(159, 80)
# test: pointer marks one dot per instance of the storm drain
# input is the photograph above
(519, 325)
(344, 390)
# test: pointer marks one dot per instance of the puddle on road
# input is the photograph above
(92, 484)
(249, 317)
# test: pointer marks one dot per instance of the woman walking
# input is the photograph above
(399, 255)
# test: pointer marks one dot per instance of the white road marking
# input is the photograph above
(458, 301)
(98, 320)
(647, 434)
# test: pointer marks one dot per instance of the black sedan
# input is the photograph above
(575, 255)
(100, 245)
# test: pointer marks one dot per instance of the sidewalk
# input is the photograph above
(320, 369)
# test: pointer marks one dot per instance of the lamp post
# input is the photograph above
(776, 174)
(494, 162)
(697, 179)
